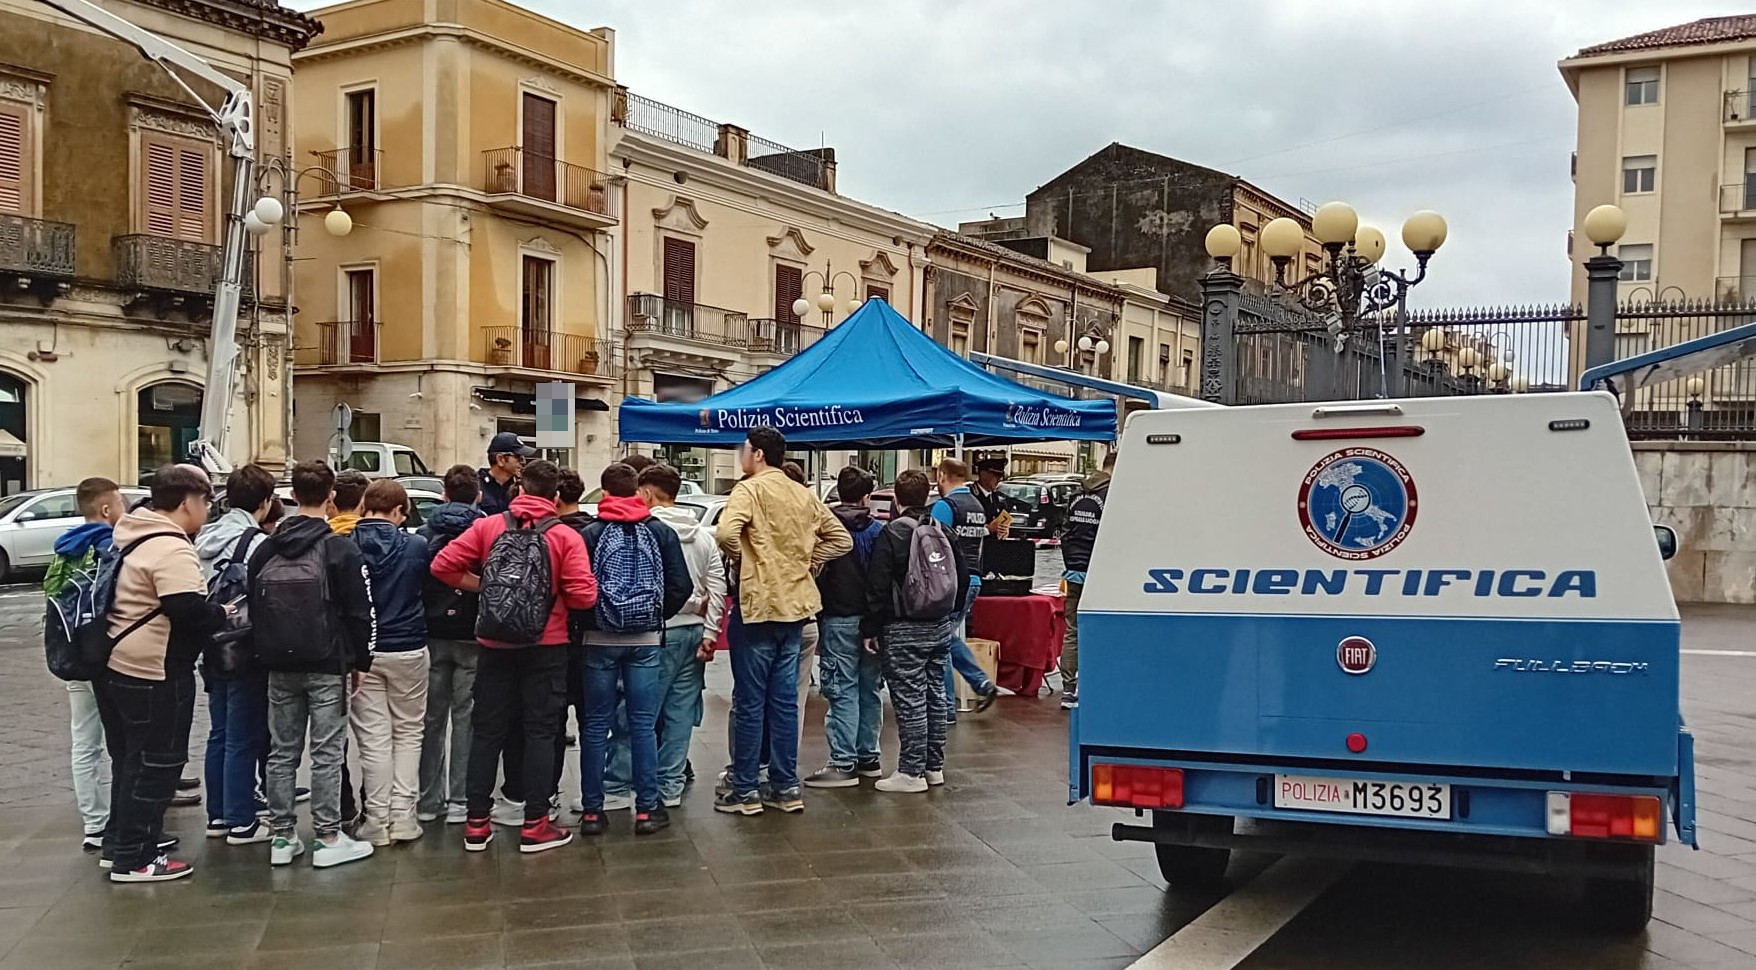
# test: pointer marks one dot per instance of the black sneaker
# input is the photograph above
(301, 795)
(168, 842)
(870, 769)
(830, 776)
(591, 823)
(650, 822)
(786, 799)
(161, 869)
(688, 772)
(989, 696)
(186, 799)
(188, 784)
(748, 803)
(92, 843)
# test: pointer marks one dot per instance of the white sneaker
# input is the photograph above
(507, 812)
(899, 782)
(456, 814)
(406, 830)
(936, 778)
(340, 852)
(618, 803)
(426, 816)
(374, 832)
(253, 834)
(673, 801)
(285, 849)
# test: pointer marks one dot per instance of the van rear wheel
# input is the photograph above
(1622, 906)
(1194, 868)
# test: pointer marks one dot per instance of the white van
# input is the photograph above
(1433, 630)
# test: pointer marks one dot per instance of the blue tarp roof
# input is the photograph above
(874, 382)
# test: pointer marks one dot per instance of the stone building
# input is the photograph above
(113, 185)
(467, 140)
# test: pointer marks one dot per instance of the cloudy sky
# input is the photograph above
(950, 109)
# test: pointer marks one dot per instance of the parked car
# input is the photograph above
(430, 483)
(707, 508)
(382, 459)
(589, 502)
(1038, 507)
(31, 522)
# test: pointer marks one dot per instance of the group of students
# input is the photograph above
(448, 659)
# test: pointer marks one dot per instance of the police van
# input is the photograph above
(1431, 630)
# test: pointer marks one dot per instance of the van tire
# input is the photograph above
(1622, 907)
(1192, 868)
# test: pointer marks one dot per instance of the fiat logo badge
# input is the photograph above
(1356, 655)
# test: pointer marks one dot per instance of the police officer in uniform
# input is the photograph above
(964, 516)
(499, 481)
(990, 472)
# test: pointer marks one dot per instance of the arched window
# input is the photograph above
(169, 417)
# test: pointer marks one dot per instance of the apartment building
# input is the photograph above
(725, 232)
(1666, 131)
(467, 141)
(112, 189)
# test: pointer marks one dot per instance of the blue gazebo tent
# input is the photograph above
(874, 382)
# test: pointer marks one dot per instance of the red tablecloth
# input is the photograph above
(1029, 629)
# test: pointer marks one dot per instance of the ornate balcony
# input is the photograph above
(36, 254)
(174, 273)
(650, 313)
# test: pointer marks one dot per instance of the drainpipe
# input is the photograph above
(993, 267)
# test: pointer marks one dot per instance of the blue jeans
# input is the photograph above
(765, 694)
(962, 660)
(237, 741)
(612, 674)
(682, 679)
(849, 677)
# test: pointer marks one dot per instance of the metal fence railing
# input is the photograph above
(660, 120)
(353, 169)
(547, 350)
(1718, 403)
(651, 313)
(341, 342)
(534, 176)
(36, 247)
(789, 163)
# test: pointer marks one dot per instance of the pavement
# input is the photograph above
(994, 870)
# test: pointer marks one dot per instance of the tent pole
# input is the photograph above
(957, 447)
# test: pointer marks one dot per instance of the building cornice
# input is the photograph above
(716, 172)
(402, 37)
(1023, 265)
(266, 19)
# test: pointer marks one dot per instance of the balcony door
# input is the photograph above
(362, 148)
(362, 322)
(679, 311)
(539, 147)
(536, 321)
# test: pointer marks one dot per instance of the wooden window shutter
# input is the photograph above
(161, 189)
(15, 157)
(788, 287)
(679, 270)
(192, 193)
(877, 293)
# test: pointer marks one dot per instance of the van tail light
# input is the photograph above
(1136, 786)
(1635, 818)
(1344, 434)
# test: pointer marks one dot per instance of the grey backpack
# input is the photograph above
(929, 589)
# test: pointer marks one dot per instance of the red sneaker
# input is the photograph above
(477, 833)
(161, 869)
(542, 835)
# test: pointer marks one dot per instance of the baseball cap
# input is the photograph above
(507, 443)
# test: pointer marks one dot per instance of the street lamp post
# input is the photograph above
(825, 301)
(1091, 344)
(1352, 284)
(263, 217)
(1604, 226)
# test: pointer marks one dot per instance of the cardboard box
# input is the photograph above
(987, 654)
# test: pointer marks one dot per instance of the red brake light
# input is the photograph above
(1044, 499)
(1337, 434)
(1136, 786)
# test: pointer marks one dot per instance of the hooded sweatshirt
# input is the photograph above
(618, 511)
(398, 563)
(161, 579)
(76, 549)
(350, 596)
(843, 581)
(218, 538)
(575, 586)
(343, 523)
(448, 521)
(707, 571)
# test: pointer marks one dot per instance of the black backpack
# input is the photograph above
(233, 649)
(518, 584)
(76, 624)
(450, 612)
(292, 616)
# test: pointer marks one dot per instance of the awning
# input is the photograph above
(10, 446)
(522, 403)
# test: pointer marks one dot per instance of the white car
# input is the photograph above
(422, 500)
(707, 508)
(30, 522)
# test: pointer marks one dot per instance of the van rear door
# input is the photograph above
(1465, 582)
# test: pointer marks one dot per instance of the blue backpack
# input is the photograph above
(76, 623)
(631, 579)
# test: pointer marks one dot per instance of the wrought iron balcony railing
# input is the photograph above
(567, 353)
(343, 342)
(650, 313)
(161, 263)
(36, 247)
(515, 171)
(346, 170)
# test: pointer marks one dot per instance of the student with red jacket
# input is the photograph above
(520, 682)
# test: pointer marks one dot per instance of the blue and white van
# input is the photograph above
(1432, 630)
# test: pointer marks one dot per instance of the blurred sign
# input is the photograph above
(344, 417)
(555, 415)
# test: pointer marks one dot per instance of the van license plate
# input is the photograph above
(1406, 799)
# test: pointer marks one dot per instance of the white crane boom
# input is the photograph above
(236, 117)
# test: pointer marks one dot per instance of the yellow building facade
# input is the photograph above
(466, 141)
